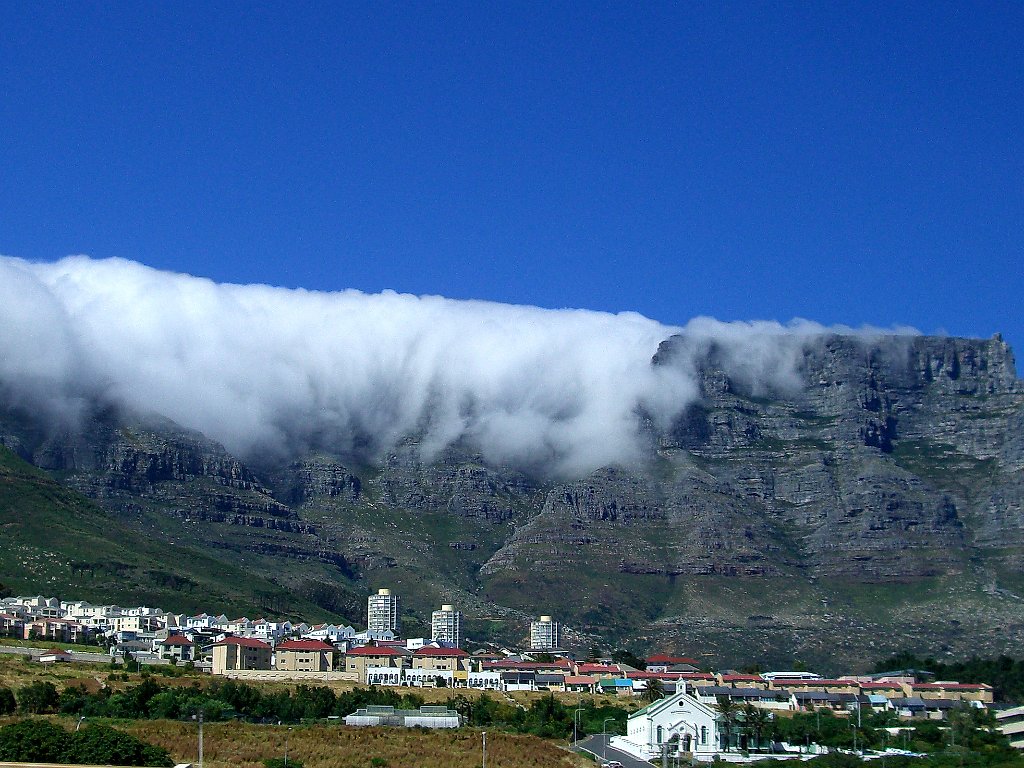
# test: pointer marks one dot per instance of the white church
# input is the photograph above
(681, 722)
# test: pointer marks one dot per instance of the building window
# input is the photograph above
(703, 734)
(660, 734)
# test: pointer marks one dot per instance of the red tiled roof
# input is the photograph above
(245, 642)
(796, 683)
(746, 678)
(430, 651)
(643, 675)
(661, 658)
(178, 640)
(373, 650)
(580, 680)
(951, 686)
(527, 665)
(304, 645)
(881, 686)
(55, 652)
(613, 669)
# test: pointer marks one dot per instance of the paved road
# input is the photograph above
(595, 745)
(95, 658)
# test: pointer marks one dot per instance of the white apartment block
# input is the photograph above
(545, 635)
(446, 625)
(382, 612)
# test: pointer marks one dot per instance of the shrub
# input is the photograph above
(7, 702)
(102, 745)
(38, 741)
(38, 698)
(278, 762)
(42, 741)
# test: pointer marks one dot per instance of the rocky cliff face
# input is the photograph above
(866, 497)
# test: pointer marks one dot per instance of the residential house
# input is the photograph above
(304, 656)
(974, 692)
(1011, 723)
(360, 659)
(240, 653)
(176, 648)
(742, 681)
(12, 625)
(616, 686)
(825, 686)
(54, 656)
(329, 633)
(547, 682)
(580, 684)
(758, 697)
(59, 630)
(443, 659)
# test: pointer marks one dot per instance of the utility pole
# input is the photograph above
(200, 718)
(604, 736)
(286, 734)
(483, 762)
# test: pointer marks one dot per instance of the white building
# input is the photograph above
(545, 635)
(424, 717)
(446, 626)
(678, 723)
(330, 633)
(382, 613)
(1011, 723)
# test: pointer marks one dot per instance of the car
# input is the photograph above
(612, 764)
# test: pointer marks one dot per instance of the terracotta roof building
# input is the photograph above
(236, 653)
(304, 656)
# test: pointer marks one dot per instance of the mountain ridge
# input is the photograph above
(868, 491)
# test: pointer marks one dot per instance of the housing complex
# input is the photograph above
(686, 720)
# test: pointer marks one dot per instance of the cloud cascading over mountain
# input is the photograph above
(262, 368)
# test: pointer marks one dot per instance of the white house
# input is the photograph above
(681, 722)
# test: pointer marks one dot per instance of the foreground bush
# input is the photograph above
(43, 741)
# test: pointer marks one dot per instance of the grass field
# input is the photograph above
(337, 746)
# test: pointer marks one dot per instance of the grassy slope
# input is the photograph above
(56, 542)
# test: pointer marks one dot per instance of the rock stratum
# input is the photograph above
(871, 503)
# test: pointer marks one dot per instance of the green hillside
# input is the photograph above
(54, 541)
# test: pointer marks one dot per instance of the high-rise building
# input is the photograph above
(446, 625)
(382, 612)
(545, 635)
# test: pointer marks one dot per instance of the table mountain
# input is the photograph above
(865, 500)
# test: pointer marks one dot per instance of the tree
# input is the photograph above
(7, 702)
(654, 690)
(38, 741)
(38, 698)
(729, 711)
(756, 722)
(102, 745)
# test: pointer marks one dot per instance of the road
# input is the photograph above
(595, 745)
(94, 658)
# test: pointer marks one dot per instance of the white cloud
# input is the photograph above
(259, 368)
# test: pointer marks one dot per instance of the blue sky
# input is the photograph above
(845, 162)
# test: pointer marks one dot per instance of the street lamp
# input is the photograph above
(604, 736)
(79, 723)
(576, 725)
(199, 717)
